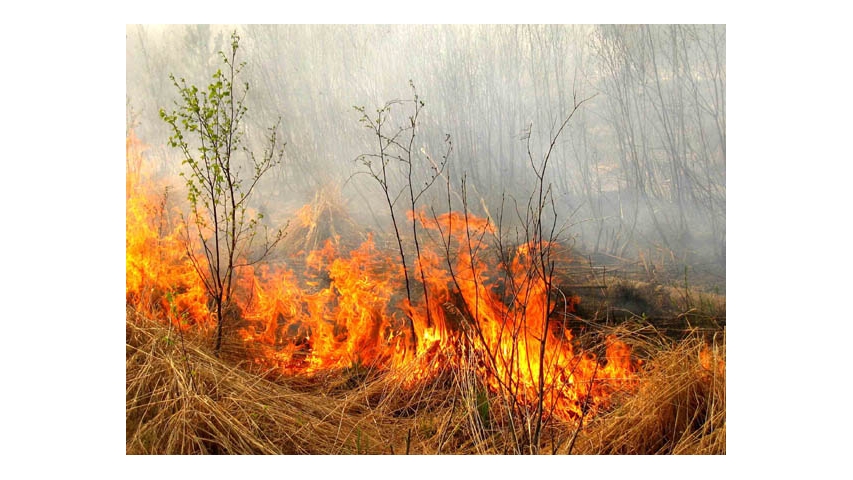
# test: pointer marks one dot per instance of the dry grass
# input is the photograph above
(324, 218)
(680, 407)
(199, 404)
(196, 403)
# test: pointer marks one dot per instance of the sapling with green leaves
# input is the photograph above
(207, 129)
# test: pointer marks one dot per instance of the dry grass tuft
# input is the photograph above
(325, 218)
(195, 403)
(680, 407)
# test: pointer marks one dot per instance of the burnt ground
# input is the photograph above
(674, 298)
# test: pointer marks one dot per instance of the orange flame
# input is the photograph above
(159, 277)
(350, 308)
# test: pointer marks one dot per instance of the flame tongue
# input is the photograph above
(160, 279)
(350, 307)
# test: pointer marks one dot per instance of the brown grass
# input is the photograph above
(196, 403)
(199, 404)
(324, 218)
(680, 407)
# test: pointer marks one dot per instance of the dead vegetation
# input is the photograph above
(181, 399)
(679, 408)
(324, 218)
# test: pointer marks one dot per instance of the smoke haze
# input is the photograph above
(639, 170)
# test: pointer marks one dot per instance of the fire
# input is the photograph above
(497, 314)
(160, 278)
(337, 316)
(709, 359)
(307, 216)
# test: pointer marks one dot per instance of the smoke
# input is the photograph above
(639, 168)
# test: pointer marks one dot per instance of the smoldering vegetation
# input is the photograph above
(638, 175)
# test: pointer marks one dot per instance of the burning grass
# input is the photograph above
(679, 407)
(181, 399)
(317, 359)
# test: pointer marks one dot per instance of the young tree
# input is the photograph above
(206, 129)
